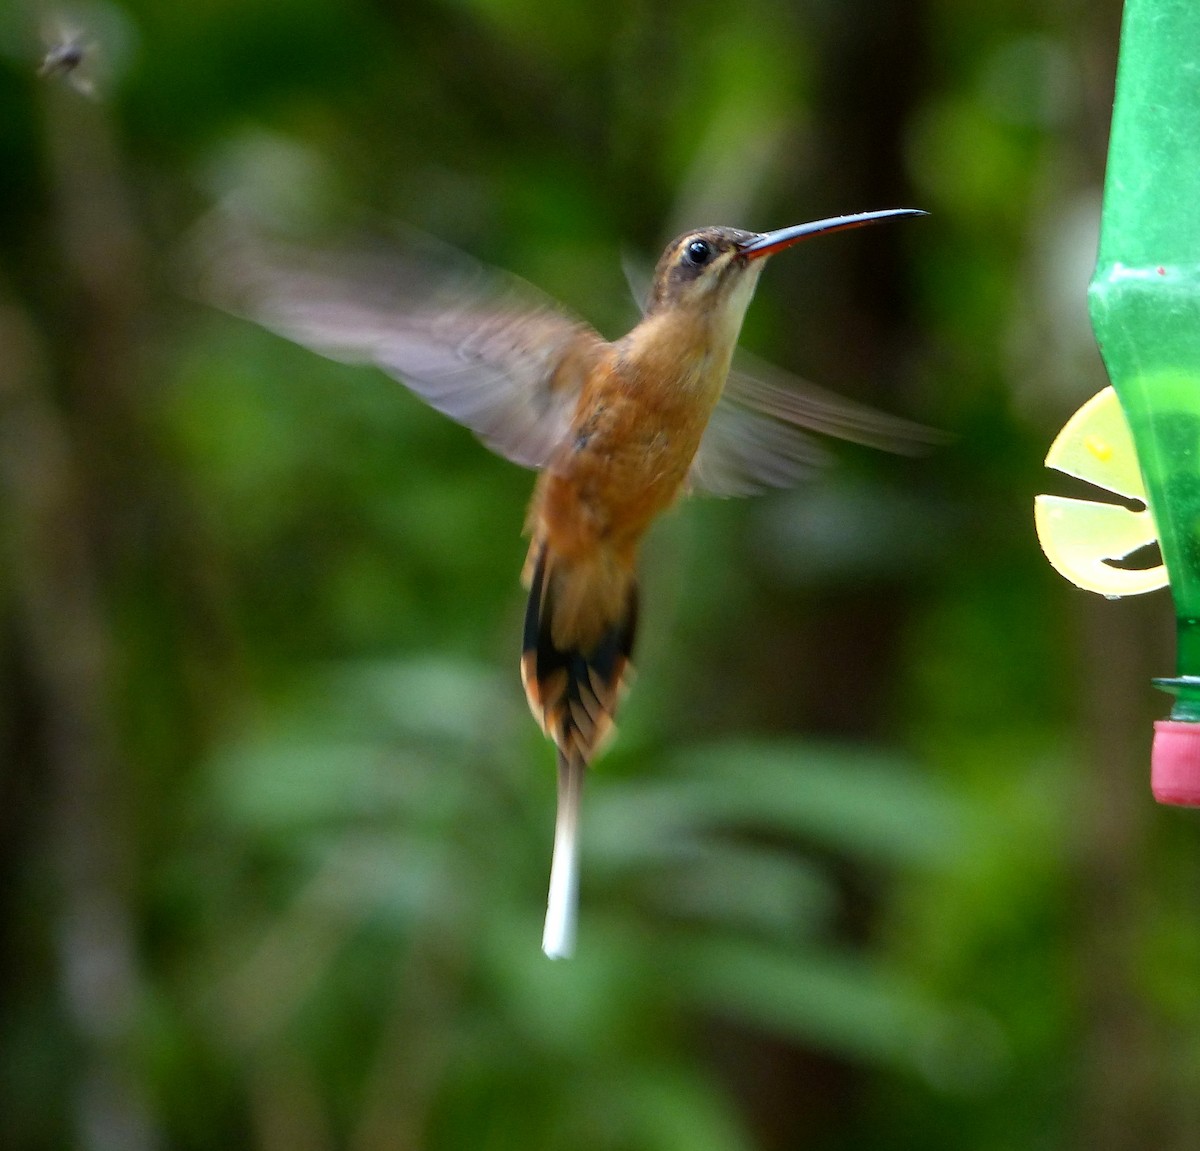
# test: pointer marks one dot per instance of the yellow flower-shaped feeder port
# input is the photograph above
(1082, 537)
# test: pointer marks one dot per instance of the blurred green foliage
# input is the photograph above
(873, 861)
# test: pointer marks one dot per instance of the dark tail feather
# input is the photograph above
(573, 692)
(574, 688)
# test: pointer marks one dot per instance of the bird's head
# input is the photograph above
(714, 270)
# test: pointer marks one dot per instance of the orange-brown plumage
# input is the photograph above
(619, 431)
(636, 429)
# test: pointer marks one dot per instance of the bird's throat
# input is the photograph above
(685, 352)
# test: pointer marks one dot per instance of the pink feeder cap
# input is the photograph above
(1175, 763)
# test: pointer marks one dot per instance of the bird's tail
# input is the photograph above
(579, 631)
(558, 936)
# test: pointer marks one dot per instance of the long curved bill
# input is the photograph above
(771, 242)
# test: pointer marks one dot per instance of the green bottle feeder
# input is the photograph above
(1145, 306)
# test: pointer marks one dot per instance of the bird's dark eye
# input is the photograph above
(698, 253)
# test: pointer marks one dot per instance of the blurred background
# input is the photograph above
(874, 861)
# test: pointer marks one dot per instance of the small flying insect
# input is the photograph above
(71, 58)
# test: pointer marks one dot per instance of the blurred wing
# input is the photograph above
(744, 452)
(758, 435)
(485, 349)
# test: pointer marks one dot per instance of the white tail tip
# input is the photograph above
(562, 905)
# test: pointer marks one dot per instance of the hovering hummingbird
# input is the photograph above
(619, 430)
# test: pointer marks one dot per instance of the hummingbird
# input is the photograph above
(618, 431)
